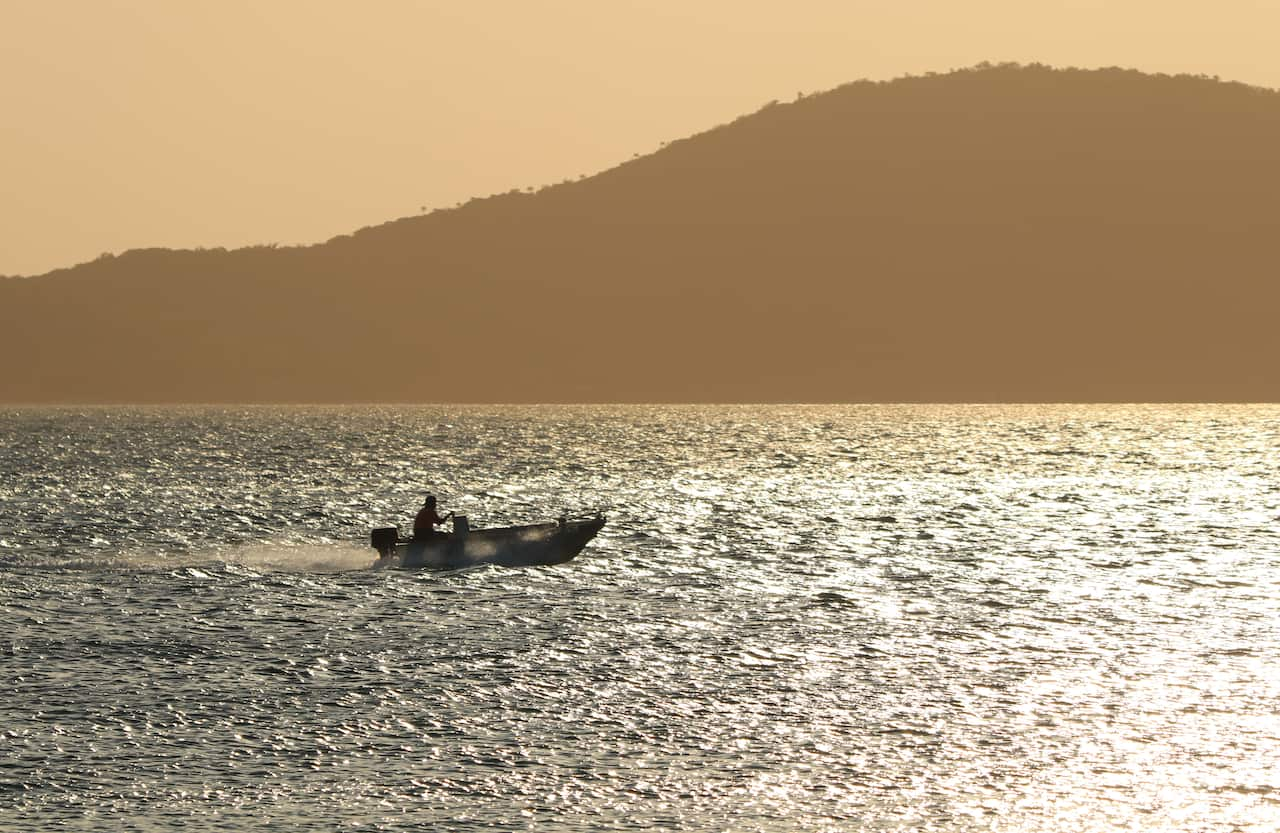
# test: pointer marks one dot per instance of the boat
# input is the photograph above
(532, 545)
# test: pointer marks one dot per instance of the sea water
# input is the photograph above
(797, 618)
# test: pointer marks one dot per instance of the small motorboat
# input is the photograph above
(533, 545)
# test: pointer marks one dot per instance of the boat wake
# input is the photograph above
(312, 558)
(263, 557)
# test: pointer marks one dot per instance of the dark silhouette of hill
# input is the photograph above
(1001, 233)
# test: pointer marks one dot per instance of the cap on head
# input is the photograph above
(430, 501)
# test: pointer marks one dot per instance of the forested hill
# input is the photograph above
(994, 234)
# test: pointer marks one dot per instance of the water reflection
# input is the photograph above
(797, 619)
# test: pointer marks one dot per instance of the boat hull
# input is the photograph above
(516, 546)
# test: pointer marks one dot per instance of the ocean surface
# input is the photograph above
(945, 618)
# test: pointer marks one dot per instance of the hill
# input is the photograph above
(1003, 233)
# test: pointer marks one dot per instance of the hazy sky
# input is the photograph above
(132, 123)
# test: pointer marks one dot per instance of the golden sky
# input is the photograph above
(134, 123)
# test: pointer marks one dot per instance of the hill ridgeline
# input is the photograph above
(1002, 233)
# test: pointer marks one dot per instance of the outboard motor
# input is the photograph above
(460, 525)
(384, 540)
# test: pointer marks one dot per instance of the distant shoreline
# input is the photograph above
(1000, 234)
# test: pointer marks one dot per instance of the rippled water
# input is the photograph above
(797, 618)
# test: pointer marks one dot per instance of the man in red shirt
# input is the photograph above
(424, 526)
